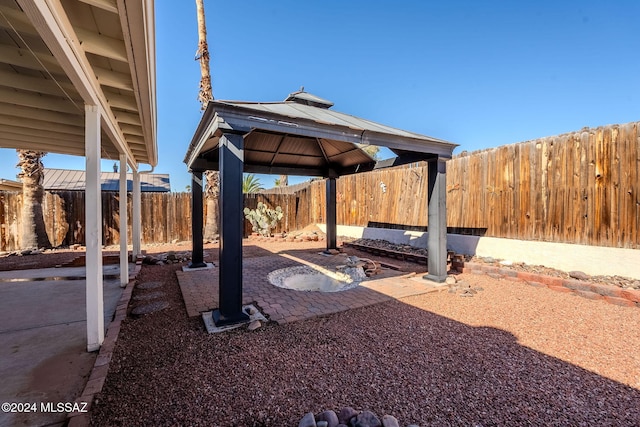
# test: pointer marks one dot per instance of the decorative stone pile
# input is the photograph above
(295, 236)
(461, 288)
(348, 417)
(383, 244)
(25, 252)
(170, 257)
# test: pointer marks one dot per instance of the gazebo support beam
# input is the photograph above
(231, 224)
(331, 214)
(197, 254)
(437, 228)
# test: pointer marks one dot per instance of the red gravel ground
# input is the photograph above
(511, 355)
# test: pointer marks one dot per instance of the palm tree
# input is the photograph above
(212, 188)
(34, 233)
(251, 184)
(283, 181)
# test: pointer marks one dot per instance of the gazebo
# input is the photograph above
(301, 135)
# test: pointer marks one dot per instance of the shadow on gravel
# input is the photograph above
(391, 358)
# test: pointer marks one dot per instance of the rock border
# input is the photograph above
(595, 291)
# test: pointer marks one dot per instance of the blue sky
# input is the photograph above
(477, 73)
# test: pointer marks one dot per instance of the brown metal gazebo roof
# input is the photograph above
(302, 136)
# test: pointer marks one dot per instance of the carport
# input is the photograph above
(298, 136)
(77, 77)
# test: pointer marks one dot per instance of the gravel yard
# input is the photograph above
(511, 355)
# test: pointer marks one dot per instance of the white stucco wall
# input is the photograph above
(593, 260)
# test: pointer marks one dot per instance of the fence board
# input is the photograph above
(580, 188)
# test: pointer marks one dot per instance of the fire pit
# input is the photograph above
(316, 278)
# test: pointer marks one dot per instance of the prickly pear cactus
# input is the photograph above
(263, 219)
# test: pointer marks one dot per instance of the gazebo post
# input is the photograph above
(231, 224)
(437, 227)
(331, 214)
(197, 254)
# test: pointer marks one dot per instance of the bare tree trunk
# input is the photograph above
(211, 229)
(206, 93)
(283, 181)
(34, 233)
(212, 195)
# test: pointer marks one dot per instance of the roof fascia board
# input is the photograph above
(140, 44)
(206, 128)
(108, 5)
(53, 25)
(442, 149)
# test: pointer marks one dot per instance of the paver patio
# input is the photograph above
(200, 288)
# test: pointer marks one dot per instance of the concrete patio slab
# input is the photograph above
(43, 357)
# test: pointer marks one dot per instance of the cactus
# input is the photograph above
(263, 219)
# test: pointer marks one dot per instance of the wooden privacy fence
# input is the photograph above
(165, 216)
(581, 187)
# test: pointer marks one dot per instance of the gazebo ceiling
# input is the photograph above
(58, 55)
(302, 136)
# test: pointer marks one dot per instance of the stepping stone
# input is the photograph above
(149, 296)
(149, 285)
(149, 308)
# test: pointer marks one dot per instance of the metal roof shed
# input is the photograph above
(298, 136)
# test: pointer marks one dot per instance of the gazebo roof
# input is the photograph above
(302, 136)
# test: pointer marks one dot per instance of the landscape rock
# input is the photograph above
(390, 421)
(451, 280)
(254, 325)
(579, 275)
(366, 419)
(149, 260)
(308, 421)
(149, 308)
(149, 296)
(322, 423)
(330, 417)
(346, 413)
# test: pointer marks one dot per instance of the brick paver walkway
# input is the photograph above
(200, 288)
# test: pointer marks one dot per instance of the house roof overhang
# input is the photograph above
(58, 55)
(296, 139)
